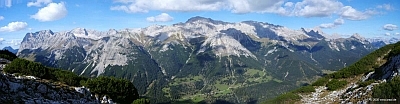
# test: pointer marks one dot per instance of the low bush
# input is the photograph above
(335, 84)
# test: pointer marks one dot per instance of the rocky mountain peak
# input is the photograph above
(313, 33)
(112, 32)
(203, 19)
(79, 31)
(91, 34)
(45, 32)
(357, 36)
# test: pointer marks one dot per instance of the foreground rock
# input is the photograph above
(30, 90)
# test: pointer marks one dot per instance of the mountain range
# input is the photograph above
(201, 59)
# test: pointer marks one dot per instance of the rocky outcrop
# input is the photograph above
(355, 93)
(31, 90)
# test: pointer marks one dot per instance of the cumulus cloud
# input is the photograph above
(289, 4)
(7, 3)
(350, 13)
(14, 26)
(327, 25)
(338, 21)
(1, 18)
(163, 17)
(387, 34)
(335, 23)
(397, 34)
(389, 27)
(135, 6)
(8, 42)
(258, 6)
(303, 8)
(52, 12)
(385, 7)
(38, 3)
(235, 6)
(15, 42)
(2, 40)
(316, 8)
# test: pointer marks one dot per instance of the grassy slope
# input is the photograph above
(339, 79)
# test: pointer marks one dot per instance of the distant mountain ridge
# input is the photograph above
(9, 48)
(380, 42)
(199, 59)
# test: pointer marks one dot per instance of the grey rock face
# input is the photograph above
(29, 91)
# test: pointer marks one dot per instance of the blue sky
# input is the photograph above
(369, 18)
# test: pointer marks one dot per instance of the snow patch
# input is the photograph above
(353, 47)
(271, 51)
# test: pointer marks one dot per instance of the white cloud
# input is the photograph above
(52, 12)
(163, 17)
(389, 27)
(135, 6)
(316, 8)
(124, 1)
(9, 42)
(38, 3)
(385, 7)
(338, 21)
(14, 26)
(129, 9)
(258, 6)
(303, 8)
(289, 4)
(8, 3)
(387, 34)
(327, 25)
(335, 23)
(350, 13)
(1, 18)
(235, 6)
(15, 42)
(2, 40)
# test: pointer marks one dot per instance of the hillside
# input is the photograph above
(199, 60)
(24, 81)
(374, 78)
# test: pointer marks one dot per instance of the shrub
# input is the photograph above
(365, 83)
(305, 89)
(320, 82)
(27, 67)
(387, 90)
(141, 101)
(285, 98)
(335, 84)
(120, 90)
(68, 77)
